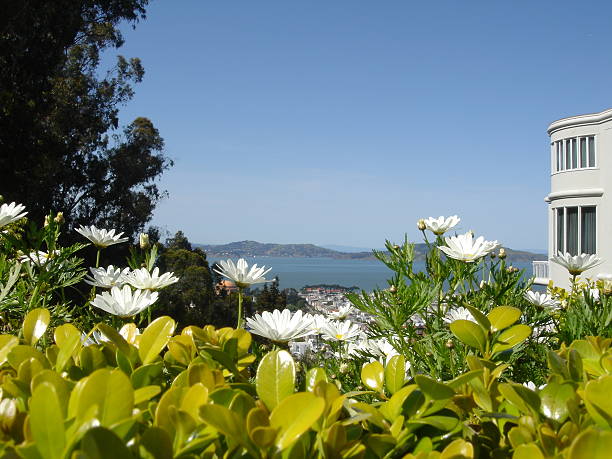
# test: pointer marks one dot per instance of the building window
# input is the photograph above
(574, 153)
(576, 229)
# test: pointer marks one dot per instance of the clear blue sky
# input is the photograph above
(343, 122)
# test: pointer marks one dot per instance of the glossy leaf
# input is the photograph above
(554, 399)
(482, 319)
(528, 451)
(7, 342)
(598, 400)
(503, 316)
(154, 338)
(458, 449)
(68, 338)
(372, 375)
(469, 333)
(289, 426)
(35, 324)
(591, 444)
(524, 399)
(47, 422)
(511, 337)
(275, 378)
(395, 373)
(101, 443)
(434, 389)
(157, 443)
(313, 376)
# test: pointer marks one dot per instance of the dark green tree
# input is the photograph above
(189, 300)
(61, 148)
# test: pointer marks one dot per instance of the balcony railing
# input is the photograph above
(540, 272)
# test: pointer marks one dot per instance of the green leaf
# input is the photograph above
(395, 373)
(101, 443)
(393, 407)
(225, 421)
(470, 333)
(480, 317)
(511, 337)
(434, 389)
(591, 444)
(524, 399)
(313, 376)
(289, 426)
(7, 342)
(458, 448)
(68, 338)
(275, 378)
(574, 365)
(114, 337)
(109, 391)
(157, 443)
(528, 451)
(598, 400)
(464, 378)
(554, 399)
(35, 324)
(372, 375)
(503, 316)
(47, 422)
(21, 352)
(154, 338)
(145, 394)
(444, 423)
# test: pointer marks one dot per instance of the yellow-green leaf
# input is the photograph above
(458, 449)
(528, 451)
(7, 342)
(313, 376)
(372, 375)
(470, 333)
(434, 389)
(395, 373)
(591, 444)
(154, 338)
(511, 337)
(598, 400)
(101, 443)
(68, 339)
(275, 378)
(503, 316)
(47, 422)
(35, 324)
(289, 426)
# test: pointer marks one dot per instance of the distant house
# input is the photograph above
(580, 201)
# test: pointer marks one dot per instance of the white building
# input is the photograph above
(580, 201)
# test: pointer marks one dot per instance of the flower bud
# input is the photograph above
(47, 220)
(393, 289)
(492, 255)
(344, 368)
(482, 284)
(449, 344)
(144, 241)
(502, 253)
(396, 247)
(421, 224)
(59, 218)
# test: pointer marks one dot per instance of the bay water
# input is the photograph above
(365, 274)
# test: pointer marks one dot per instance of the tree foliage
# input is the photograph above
(61, 148)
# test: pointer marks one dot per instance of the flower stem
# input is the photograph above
(98, 258)
(239, 324)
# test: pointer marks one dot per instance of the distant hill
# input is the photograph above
(258, 249)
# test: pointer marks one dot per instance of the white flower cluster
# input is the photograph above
(130, 291)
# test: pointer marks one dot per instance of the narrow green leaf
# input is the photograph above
(154, 338)
(35, 324)
(275, 378)
(503, 316)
